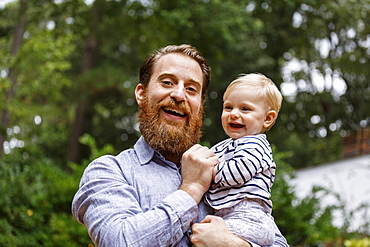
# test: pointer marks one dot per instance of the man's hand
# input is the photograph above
(196, 169)
(212, 231)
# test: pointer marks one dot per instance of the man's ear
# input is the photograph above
(270, 118)
(139, 93)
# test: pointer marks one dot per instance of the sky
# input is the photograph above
(321, 82)
(3, 2)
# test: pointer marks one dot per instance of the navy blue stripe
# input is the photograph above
(231, 172)
(239, 199)
(236, 187)
(225, 178)
(242, 175)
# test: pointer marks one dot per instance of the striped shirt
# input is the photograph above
(246, 169)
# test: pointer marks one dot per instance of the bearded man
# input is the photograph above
(151, 195)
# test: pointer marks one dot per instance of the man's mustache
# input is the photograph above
(170, 103)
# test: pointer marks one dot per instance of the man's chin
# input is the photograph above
(173, 120)
(173, 126)
(169, 133)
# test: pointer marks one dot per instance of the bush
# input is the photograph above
(35, 204)
(365, 242)
(36, 196)
(302, 221)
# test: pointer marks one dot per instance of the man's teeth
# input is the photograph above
(175, 112)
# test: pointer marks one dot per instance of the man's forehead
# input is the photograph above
(175, 58)
(176, 63)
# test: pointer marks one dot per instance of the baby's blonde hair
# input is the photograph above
(268, 90)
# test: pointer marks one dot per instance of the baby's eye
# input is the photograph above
(226, 107)
(245, 109)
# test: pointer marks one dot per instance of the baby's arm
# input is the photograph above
(235, 171)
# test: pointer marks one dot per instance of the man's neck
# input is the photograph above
(174, 158)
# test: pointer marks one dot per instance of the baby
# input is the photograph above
(240, 192)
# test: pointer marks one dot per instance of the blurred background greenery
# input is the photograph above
(68, 69)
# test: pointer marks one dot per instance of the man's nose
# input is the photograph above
(178, 93)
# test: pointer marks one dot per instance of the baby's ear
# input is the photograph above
(270, 118)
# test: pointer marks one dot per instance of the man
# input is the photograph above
(152, 194)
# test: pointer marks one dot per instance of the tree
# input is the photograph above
(331, 44)
(98, 76)
(28, 89)
(10, 92)
(77, 65)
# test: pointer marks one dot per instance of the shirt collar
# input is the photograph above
(144, 152)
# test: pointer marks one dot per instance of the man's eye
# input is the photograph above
(192, 89)
(166, 82)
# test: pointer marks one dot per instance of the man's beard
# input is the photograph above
(166, 136)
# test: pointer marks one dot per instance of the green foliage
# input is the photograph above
(36, 198)
(92, 53)
(35, 204)
(89, 141)
(306, 221)
(43, 83)
(357, 242)
(329, 43)
(302, 221)
(72, 52)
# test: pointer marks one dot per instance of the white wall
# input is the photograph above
(349, 177)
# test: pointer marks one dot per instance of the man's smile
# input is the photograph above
(175, 112)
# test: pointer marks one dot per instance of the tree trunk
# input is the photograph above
(19, 31)
(78, 127)
(82, 105)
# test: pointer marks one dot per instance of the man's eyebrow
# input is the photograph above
(197, 83)
(164, 75)
(170, 75)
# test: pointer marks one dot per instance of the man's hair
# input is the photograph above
(146, 69)
(267, 89)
